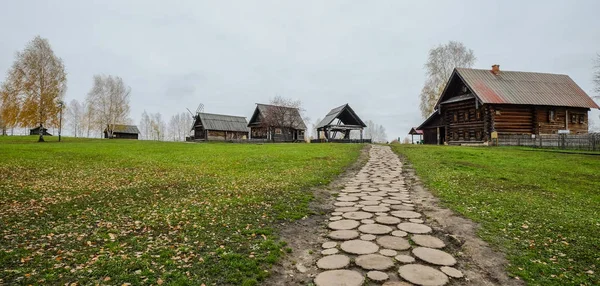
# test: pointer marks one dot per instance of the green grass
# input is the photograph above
(113, 212)
(541, 208)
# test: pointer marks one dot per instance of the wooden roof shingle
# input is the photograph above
(125, 129)
(220, 122)
(345, 113)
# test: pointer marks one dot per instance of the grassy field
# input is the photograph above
(114, 212)
(541, 208)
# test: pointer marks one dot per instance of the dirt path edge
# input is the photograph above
(482, 264)
(305, 236)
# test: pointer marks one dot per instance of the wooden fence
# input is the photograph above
(588, 142)
(340, 141)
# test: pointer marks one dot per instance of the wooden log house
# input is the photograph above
(477, 104)
(219, 127)
(276, 123)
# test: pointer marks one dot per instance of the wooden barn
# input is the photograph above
(277, 123)
(340, 120)
(477, 104)
(120, 131)
(219, 127)
(36, 131)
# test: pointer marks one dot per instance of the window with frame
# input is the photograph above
(278, 131)
(467, 115)
(478, 114)
(573, 118)
(551, 115)
(581, 118)
(455, 116)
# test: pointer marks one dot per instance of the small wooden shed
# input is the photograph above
(121, 131)
(36, 131)
(413, 132)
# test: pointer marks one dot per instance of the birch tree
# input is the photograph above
(373, 131)
(34, 87)
(108, 101)
(144, 126)
(179, 126)
(596, 78)
(157, 127)
(439, 66)
(88, 119)
(2, 124)
(10, 108)
(314, 132)
(75, 117)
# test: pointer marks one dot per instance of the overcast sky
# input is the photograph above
(230, 55)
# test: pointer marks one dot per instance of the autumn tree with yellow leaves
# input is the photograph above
(34, 87)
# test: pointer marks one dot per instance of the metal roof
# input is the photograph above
(350, 119)
(125, 129)
(222, 122)
(531, 88)
(414, 131)
(294, 113)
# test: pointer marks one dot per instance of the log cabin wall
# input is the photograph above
(218, 135)
(550, 119)
(258, 133)
(513, 119)
(125, 135)
(199, 132)
(488, 119)
(464, 121)
(430, 136)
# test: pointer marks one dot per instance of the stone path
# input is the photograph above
(377, 235)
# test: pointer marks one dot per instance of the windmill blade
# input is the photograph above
(200, 108)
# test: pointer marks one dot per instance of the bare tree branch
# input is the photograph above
(596, 78)
(439, 66)
(108, 101)
(283, 116)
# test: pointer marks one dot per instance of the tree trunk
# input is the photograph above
(41, 139)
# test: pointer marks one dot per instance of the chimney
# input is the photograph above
(495, 69)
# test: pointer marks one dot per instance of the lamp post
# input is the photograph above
(60, 119)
